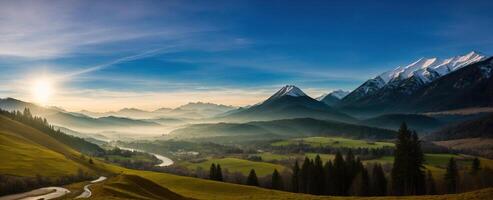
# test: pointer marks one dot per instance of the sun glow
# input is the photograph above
(42, 89)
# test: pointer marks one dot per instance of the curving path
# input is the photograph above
(45, 193)
(87, 193)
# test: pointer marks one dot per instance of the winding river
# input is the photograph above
(165, 161)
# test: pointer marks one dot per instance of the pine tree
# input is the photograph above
(329, 174)
(277, 183)
(418, 175)
(476, 166)
(338, 180)
(364, 189)
(212, 172)
(451, 176)
(379, 182)
(431, 188)
(318, 176)
(252, 178)
(408, 177)
(219, 173)
(305, 176)
(295, 180)
(351, 171)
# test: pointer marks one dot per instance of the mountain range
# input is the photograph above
(333, 97)
(193, 110)
(465, 81)
(287, 103)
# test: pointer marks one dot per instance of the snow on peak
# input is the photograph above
(339, 93)
(428, 69)
(289, 90)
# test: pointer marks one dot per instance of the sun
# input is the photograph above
(42, 90)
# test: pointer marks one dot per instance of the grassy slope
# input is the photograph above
(27, 152)
(237, 165)
(191, 187)
(132, 187)
(334, 142)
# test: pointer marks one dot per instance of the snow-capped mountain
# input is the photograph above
(288, 90)
(333, 97)
(287, 103)
(409, 78)
(454, 83)
(428, 69)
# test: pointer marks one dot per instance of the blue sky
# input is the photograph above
(150, 54)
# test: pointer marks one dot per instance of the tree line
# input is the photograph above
(42, 125)
(348, 176)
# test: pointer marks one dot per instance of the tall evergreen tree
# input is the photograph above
(329, 175)
(407, 176)
(451, 176)
(305, 176)
(252, 178)
(219, 173)
(212, 172)
(277, 180)
(318, 176)
(295, 179)
(430, 181)
(475, 166)
(379, 182)
(364, 187)
(419, 175)
(339, 180)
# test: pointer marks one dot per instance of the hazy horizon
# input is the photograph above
(105, 57)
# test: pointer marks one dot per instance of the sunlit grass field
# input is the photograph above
(336, 142)
(236, 165)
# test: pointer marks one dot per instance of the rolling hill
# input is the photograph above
(478, 128)
(420, 123)
(277, 129)
(23, 147)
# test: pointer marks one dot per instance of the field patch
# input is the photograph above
(335, 142)
(236, 165)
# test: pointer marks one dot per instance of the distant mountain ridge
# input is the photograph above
(193, 110)
(277, 129)
(392, 90)
(333, 97)
(288, 102)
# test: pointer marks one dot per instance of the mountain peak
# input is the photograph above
(288, 90)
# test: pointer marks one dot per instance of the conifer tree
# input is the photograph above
(338, 180)
(295, 179)
(276, 180)
(318, 176)
(212, 172)
(476, 166)
(407, 176)
(451, 176)
(379, 182)
(329, 171)
(219, 173)
(305, 176)
(431, 188)
(252, 178)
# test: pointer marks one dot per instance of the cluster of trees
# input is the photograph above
(341, 177)
(15, 184)
(131, 159)
(42, 124)
(215, 173)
